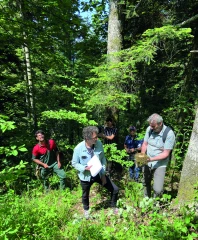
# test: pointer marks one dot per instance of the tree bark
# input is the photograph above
(114, 43)
(28, 72)
(28, 77)
(189, 174)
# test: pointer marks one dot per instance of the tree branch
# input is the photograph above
(192, 19)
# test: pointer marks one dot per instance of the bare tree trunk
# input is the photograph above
(28, 77)
(28, 73)
(114, 32)
(114, 45)
(189, 174)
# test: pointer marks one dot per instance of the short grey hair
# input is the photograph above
(88, 132)
(155, 118)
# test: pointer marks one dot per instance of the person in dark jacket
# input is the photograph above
(132, 145)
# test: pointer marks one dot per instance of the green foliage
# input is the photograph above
(154, 40)
(6, 125)
(114, 154)
(63, 114)
(12, 150)
(57, 215)
(159, 49)
(133, 192)
(31, 218)
(10, 174)
(182, 131)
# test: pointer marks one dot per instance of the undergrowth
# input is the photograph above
(59, 215)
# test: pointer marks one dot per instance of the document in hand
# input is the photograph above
(96, 165)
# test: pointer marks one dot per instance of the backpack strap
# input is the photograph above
(150, 132)
(165, 133)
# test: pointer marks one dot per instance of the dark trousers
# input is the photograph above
(110, 186)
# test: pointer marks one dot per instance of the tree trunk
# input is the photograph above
(114, 45)
(27, 72)
(189, 174)
(114, 32)
(28, 77)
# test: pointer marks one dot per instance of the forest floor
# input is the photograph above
(99, 197)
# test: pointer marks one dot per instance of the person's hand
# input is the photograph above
(88, 168)
(149, 159)
(45, 165)
(104, 180)
(132, 150)
(128, 150)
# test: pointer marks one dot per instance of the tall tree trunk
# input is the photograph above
(28, 77)
(28, 72)
(189, 174)
(114, 45)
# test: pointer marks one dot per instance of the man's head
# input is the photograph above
(132, 130)
(40, 135)
(109, 122)
(155, 122)
(90, 134)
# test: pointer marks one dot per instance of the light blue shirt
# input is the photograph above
(156, 146)
(81, 156)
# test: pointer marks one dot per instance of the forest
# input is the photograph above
(69, 64)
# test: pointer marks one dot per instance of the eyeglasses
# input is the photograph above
(94, 138)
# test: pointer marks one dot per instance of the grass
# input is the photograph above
(59, 214)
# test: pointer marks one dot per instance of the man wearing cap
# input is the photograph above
(133, 145)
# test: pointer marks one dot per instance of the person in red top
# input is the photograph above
(46, 155)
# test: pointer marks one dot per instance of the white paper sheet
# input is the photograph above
(96, 165)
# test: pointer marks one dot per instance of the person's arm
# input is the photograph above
(139, 148)
(145, 141)
(58, 159)
(125, 147)
(76, 161)
(161, 156)
(111, 137)
(144, 147)
(37, 161)
(54, 146)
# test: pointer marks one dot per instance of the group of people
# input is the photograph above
(46, 155)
